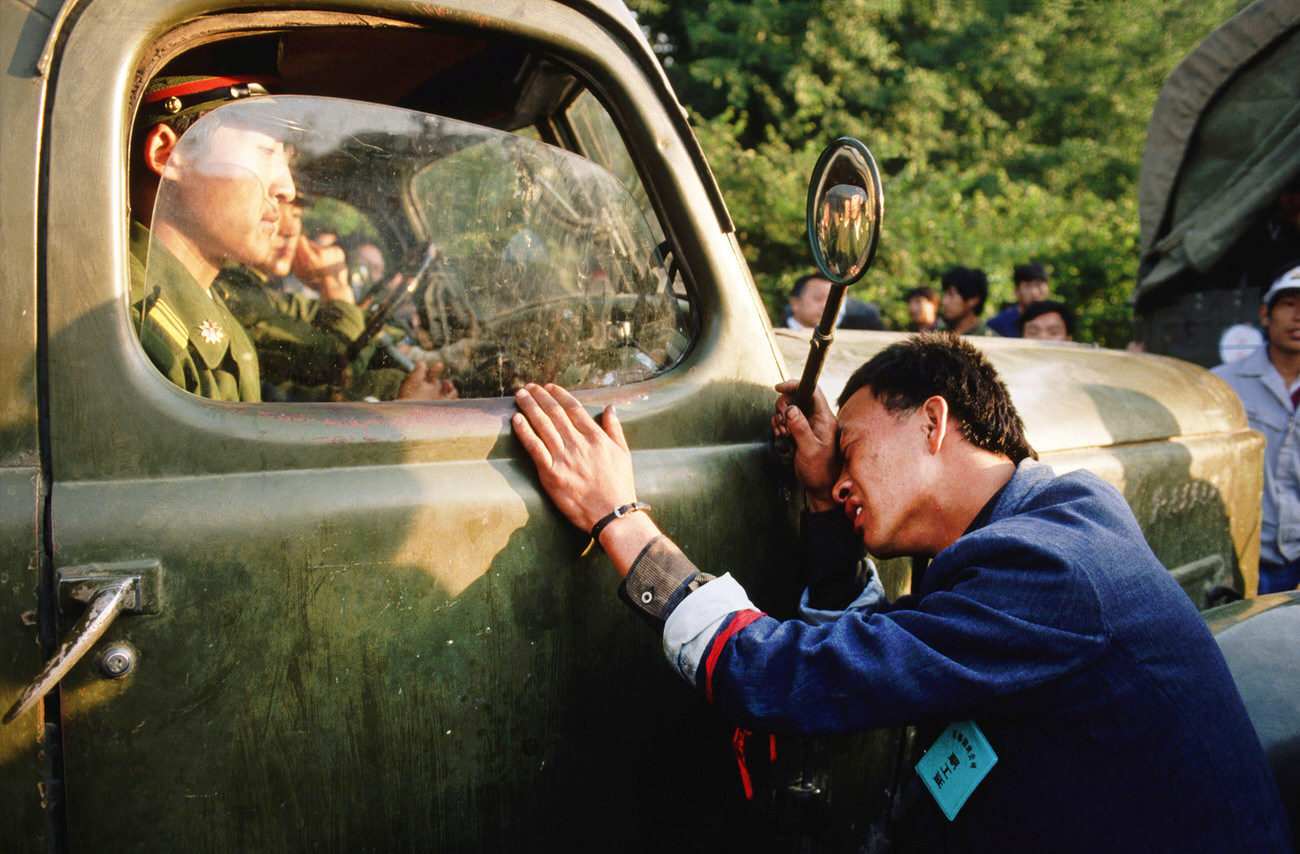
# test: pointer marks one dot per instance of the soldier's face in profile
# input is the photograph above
(285, 243)
(227, 185)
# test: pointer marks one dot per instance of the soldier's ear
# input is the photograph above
(158, 146)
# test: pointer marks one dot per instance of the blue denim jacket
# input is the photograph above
(1055, 629)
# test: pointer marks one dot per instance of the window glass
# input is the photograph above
(601, 142)
(309, 249)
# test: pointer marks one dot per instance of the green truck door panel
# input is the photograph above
(22, 823)
(383, 659)
(375, 633)
(22, 766)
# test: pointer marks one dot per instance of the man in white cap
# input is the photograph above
(1268, 383)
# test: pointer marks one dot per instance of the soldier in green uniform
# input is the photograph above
(223, 223)
(224, 189)
(303, 343)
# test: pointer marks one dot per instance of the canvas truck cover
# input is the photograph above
(1223, 140)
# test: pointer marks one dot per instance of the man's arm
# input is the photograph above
(586, 468)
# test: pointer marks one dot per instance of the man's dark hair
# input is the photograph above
(969, 283)
(1029, 273)
(800, 283)
(921, 291)
(904, 375)
(1047, 306)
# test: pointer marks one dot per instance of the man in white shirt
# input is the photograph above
(1268, 383)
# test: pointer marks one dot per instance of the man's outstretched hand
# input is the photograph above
(585, 467)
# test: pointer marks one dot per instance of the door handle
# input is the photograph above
(106, 590)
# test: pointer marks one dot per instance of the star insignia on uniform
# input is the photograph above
(211, 332)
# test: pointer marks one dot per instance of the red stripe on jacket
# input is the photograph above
(738, 622)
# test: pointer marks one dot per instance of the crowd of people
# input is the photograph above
(957, 306)
(1052, 665)
(242, 305)
(1266, 379)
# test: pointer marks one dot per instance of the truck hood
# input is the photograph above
(1071, 396)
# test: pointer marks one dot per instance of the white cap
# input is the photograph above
(1288, 281)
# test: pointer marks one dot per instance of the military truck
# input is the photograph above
(358, 625)
(1221, 150)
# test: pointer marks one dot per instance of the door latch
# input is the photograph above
(105, 590)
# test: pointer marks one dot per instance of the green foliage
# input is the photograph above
(342, 220)
(1007, 130)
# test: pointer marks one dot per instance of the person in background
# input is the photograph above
(922, 309)
(1268, 383)
(368, 270)
(964, 292)
(1031, 282)
(1046, 320)
(808, 300)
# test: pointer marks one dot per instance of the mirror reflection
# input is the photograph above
(845, 208)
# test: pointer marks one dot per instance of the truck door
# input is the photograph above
(359, 625)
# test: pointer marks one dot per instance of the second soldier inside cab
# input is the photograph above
(304, 343)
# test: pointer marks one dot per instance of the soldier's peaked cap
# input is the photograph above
(170, 97)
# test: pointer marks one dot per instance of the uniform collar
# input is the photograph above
(178, 302)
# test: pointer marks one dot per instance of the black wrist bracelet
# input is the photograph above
(619, 513)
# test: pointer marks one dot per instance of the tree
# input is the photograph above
(1006, 131)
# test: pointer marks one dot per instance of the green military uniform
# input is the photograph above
(301, 342)
(187, 332)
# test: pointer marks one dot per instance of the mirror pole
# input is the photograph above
(823, 335)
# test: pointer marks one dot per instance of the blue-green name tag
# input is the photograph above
(955, 764)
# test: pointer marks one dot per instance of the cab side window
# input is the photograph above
(307, 249)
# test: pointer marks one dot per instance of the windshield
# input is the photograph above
(350, 242)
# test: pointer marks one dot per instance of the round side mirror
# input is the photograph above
(846, 205)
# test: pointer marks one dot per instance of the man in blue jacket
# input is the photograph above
(1071, 695)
